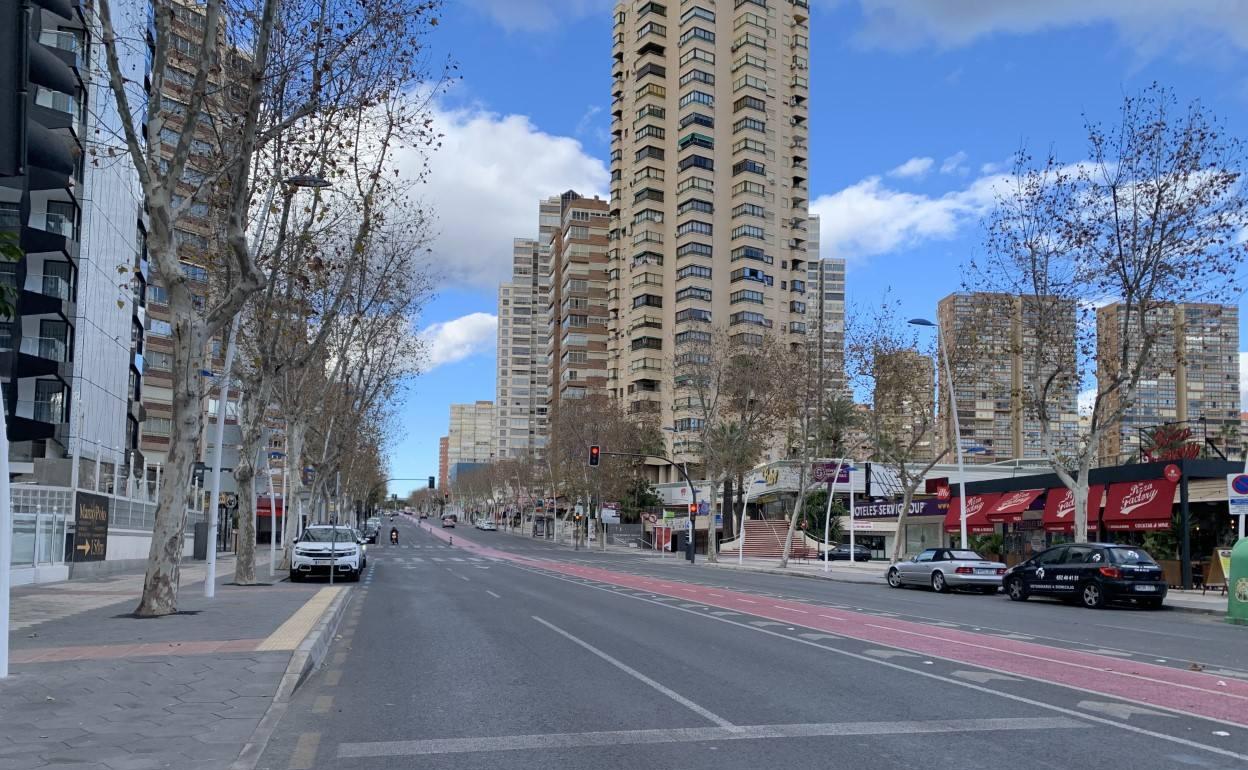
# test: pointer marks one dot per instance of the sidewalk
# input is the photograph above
(94, 688)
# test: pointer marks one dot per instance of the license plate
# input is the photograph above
(324, 561)
(1146, 589)
(985, 571)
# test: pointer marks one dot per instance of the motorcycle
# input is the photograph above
(394, 536)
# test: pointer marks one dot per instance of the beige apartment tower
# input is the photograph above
(576, 345)
(709, 187)
(1191, 380)
(992, 343)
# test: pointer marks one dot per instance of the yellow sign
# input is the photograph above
(771, 476)
(1224, 557)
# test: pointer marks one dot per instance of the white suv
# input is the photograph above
(324, 547)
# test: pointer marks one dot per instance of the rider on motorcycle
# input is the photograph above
(394, 534)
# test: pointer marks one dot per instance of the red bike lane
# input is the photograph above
(1190, 692)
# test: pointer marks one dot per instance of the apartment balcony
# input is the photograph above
(38, 420)
(44, 294)
(36, 357)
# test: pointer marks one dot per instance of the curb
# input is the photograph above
(303, 661)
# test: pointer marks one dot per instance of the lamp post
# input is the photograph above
(827, 515)
(210, 577)
(957, 428)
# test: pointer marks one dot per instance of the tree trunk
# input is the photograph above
(160, 582)
(730, 531)
(739, 506)
(712, 555)
(295, 432)
(255, 405)
(899, 542)
(797, 507)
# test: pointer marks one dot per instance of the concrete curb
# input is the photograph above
(303, 661)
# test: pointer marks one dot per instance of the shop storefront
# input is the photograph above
(876, 526)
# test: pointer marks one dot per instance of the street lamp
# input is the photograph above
(957, 428)
(210, 577)
(744, 506)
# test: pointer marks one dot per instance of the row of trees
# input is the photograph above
(315, 288)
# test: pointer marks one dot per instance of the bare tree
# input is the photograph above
(264, 68)
(1153, 217)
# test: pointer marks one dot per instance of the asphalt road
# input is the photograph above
(503, 653)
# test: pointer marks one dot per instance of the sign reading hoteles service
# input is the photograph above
(90, 527)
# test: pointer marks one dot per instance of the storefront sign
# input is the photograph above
(1139, 505)
(827, 473)
(610, 513)
(891, 510)
(90, 527)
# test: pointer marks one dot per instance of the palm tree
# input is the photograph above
(839, 418)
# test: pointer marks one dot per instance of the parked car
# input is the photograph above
(947, 568)
(486, 525)
(1092, 574)
(841, 553)
(325, 547)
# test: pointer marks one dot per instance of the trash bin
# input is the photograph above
(1237, 584)
(201, 541)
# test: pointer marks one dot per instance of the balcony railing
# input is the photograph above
(50, 348)
(65, 41)
(55, 100)
(49, 285)
(58, 223)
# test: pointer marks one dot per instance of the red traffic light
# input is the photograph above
(595, 454)
(693, 509)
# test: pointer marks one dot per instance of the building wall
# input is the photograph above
(576, 345)
(709, 195)
(443, 461)
(904, 397)
(1191, 378)
(992, 341)
(471, 435)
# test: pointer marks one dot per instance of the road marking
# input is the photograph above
(979, 688)
(549, 741)
(1119, 710)
(983, 676)
(491, 593)
(889, 654)
(820, 636)
(290, 634)
(831, 617)
(304, 757)
(332, 678)
(322, 704)
(621, 665)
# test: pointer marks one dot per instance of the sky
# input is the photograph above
(915, 106)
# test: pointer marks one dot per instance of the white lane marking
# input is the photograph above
(694, 734)
(491, 593)
(1119, 711)
(983, 676)
(621, 665)
(979, 688)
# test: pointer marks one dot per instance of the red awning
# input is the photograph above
(1059, 508)
(1012, 504)
(977, 507)
(1139, 505)
(262, 506)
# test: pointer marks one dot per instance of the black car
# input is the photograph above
(1090, 573)
(841, 553)
(370, 534)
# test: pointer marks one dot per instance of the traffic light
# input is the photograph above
(595, 454)
(693, 509)
(431, 482)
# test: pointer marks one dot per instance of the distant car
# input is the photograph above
(947, 568)
(1092, 574)
(370, 534)
(448, 522)
(841, 553)
(324, 547)
(487, 526)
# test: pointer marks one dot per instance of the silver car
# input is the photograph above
(947, 568)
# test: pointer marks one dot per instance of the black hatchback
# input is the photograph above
(1092, 574)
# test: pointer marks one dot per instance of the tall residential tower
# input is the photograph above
(709, 186)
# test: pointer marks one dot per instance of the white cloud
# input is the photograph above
(484, 185)
(954, 164)
(539, 15)
(459, 338)
(1148, 26)
(913, 168)
(870, 218)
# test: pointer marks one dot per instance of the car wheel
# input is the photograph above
(295, 577)
(938, 583)
(1151, 604)
(894, 578)
(1016, 590)
(1092, 595)
(355, 575)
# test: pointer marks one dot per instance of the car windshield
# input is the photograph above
(1130, 556)
(965, 556)
(327, 534)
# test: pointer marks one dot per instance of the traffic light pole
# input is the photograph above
(689, 544)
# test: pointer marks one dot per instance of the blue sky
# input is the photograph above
(914, 105)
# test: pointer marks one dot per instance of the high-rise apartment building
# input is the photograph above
(576, 346)
(903, 401)
(709, 194)
(71, 356)
(992, 342)
(443, 461)
(522, 383)
(1191, 379)
(825, 317)
(470, 439)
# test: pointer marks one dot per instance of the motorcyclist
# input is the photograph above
(394, 534)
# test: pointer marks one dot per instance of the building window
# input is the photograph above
(697, 54)
(697, 33)
(693, 337)
(646, 132)
(748, 167)
(696, 140)
(697, 97)
(695, 183)
(693, 292)
(747, 295)
(651, 89)
(647, 300)
(157, 426)
(749, 231)
(693, 271)
(693, 315)
(649, 151)
(697, 118)
(695, 204)
(650, 68)
(749, 103)
(693, 226)
(754, 253)
(697, 76)
(693, 249)
(696, 161)
(750, 124)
